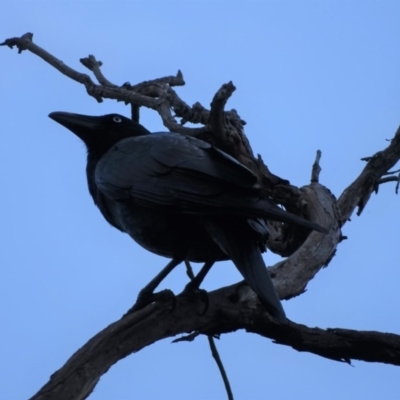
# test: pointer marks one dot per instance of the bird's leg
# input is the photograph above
(193, 287)
(147, 295)
(195, 283)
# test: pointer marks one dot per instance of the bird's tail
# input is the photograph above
(246, 255)
(275, 213)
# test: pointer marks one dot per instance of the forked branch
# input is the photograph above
(234, 307)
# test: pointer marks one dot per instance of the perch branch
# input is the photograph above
(228, 312)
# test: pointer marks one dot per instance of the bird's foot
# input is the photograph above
(193, 291)
(145, 298)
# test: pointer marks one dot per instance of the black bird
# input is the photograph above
(180, 197)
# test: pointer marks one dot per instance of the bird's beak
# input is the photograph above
(82, 125)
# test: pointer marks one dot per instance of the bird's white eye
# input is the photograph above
(117, 119)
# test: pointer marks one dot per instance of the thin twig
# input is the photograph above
(93, 65)
(220, 365)
(316, 168)
(389, 179)
(173, 80)
(211, 342)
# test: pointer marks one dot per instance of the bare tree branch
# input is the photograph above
(230, 309)
(387, 179)
(221, 367)
(93, 65)
(318, 249)
(358, 193)
(316, 168)
(217, 116)
(234, 307)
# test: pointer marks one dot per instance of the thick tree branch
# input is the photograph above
(318, 249)
(230, 309)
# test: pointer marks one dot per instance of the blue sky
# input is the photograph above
(309, 75)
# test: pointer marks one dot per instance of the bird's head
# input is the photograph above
(99, 133)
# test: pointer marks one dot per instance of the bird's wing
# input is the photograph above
(175, 171)
(185, 175)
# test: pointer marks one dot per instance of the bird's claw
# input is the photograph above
(191, 290)
(145, 298)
